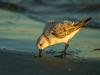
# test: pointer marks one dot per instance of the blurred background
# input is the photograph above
(22, 21)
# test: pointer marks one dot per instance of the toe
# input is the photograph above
(37, 56)
(60, 56)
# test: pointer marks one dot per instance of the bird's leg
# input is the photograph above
(65, 49)
(63, 53)
(39, 54)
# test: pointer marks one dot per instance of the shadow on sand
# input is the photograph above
(18, 63)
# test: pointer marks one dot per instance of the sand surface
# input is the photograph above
(17, 63)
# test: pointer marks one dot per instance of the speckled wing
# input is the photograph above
(61, 30)
(58, 29)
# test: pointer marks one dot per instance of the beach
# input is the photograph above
(21, 25)
(17, 63)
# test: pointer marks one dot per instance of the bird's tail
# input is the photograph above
(87, 20)
(83, 23)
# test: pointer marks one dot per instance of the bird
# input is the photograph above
(56, 32)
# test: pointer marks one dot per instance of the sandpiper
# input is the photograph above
(59, 32)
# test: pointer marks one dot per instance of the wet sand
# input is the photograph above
(19, 63)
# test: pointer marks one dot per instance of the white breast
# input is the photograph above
(72, 34)
(55, 40)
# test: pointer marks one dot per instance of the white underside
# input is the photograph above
(63, 40)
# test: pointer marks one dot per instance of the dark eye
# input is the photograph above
(41, 44)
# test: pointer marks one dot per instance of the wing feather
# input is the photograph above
(62, 29)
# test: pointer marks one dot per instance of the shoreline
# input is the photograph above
(16, 63)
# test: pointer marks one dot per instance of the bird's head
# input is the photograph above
(42, 42)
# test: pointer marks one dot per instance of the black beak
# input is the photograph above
(40, 52)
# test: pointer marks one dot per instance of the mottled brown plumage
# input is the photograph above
(62, 29)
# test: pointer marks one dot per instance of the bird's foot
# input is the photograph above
(62, 52)
(39, 54)
(36, 56)
(61, 55)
